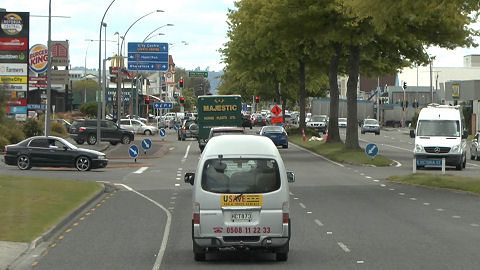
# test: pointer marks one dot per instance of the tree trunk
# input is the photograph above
(277, 93)
(351, 141)
(302, 93)
(333, 133)
(284, 107)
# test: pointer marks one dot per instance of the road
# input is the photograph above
(343, 217)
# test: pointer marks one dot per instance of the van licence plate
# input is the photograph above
(240, 216)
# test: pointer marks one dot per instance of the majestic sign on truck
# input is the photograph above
(217, 111)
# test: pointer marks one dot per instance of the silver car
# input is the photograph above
(138, 126)
(370, 125)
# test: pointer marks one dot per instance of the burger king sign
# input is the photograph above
(38, 58)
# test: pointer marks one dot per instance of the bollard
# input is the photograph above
(414, 165)
(443, 165)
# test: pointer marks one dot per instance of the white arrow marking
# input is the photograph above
(147, 145)
(133, 151)
(371, 150)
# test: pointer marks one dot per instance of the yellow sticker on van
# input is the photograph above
(241, 200)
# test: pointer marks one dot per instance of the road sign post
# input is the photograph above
(371, 150)
(133, 151)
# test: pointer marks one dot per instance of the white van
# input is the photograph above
(440, 133)
(240, 197)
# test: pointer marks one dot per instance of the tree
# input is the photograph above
(84, 91)
(89, 109)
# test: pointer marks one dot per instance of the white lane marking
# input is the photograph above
(291, 193)
(376, 180)
(456, 217)
(471, 164)
(172, 202)
(295, 198)
(413, 199)
(360, 262)
(179, 174)
(329, 233)
(401, 194)
(186, 152)
(410, 143)
(180, 169)
(177, 185)
(309, 212)
(391, 189)
(383, 185)
(171, 148)
(302, 205)
(166, 232)
(343, 246)
(178, 178)
(141, 170)
(362, 174)
(475, 225)
(318, 222)
(368, 177)
(398, 164)
(317, 155)
(392, 146)
(440, 209)
(426, 203)
(173, 198)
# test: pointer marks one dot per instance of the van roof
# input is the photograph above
(240, 145)
(440, 112)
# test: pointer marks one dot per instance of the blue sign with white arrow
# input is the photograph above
(133, 151)
(371, 150)
(162, 132)
(162, 105)
(148, 56)
(146, 144)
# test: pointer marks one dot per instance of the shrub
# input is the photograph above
(32, 127)
(15, 135)
(3, 142)
(89, 109)
(59, 129)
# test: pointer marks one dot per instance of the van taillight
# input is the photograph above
(196, 213)
(81, 129)
(286, 215)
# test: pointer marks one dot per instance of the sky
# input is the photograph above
(201, 24)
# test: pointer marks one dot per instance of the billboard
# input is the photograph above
(59, 53)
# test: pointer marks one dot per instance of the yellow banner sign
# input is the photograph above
(13, 79)
(241, 200)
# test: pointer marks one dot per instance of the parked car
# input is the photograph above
(240, 197)
(277, 134)
(475, 147)
(63, 122)
(189, 129)
(342, 122)
(318, 122)
(85, 130)
(52, 152)
(138, 126)
(370, 125)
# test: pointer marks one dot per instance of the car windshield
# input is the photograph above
(370, 122)
(273, 129)
(447, 128)
(318, 118)
(240, 176)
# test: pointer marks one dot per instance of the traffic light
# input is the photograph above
(181, 82)
(404, 85)
(257, 99)
(182, 100)
(147, 100)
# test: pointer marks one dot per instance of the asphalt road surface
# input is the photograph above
(343, 217)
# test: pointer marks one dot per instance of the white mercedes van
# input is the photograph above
(440, 133)
(240, 197)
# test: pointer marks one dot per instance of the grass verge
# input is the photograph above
(30, 206)
(441, 181)
(336, 152)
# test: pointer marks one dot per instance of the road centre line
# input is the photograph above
(318, 222)
(473, 164)
(343, 246)
(186, 152)
(392, 146)
(317, 155)
(141, 170)
(302, 205)
(166, 232)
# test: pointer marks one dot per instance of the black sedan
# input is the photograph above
(52, 152)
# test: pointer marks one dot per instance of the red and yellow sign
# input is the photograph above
(38, 59)
(241, 200)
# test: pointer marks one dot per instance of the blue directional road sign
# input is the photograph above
(162, 132)
(148, 56)
(162, 105)
(175, 127)
(133, 151)
(146, 144)
(371, 150)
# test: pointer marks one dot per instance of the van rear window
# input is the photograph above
(446, 128)
(240, 176)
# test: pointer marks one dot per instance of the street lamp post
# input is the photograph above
(119, 81)
(99, 99)
(49, 67)
(104, 75)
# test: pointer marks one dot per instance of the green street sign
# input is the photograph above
(198, 74)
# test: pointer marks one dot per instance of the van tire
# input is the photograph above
(282, 252)
(282, 257)
(459, 167)
(198, 253)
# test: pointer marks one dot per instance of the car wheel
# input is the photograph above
(477, 157)
(83, 163)
(464, 164)
(459, 167)
(378, 133)
(126, 139)
(23, 162)
(285, 146)
(282, 253)
(472, 156)
(199, 253)
(147, 132)
(113, 142)
(79, 141)
(92, 139)
(178, 136)
(183, 138)
(363, 132)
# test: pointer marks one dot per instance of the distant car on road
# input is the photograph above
(52, 152)
(189, 129)
(138, 126)
(370, 125)
(318, 122)
(342, 122)
(246, 121)
(277, 134)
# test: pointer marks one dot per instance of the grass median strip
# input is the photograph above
(336, 152)
(441, 181)
(29, 206)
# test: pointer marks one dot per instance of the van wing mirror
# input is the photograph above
(412, 133)
(291, 177)
(189, 178)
